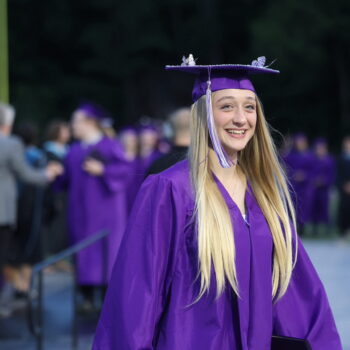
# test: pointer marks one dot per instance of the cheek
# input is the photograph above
(220, 118)
(252, 119)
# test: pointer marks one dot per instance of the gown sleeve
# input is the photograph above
(142, 274)
(304, 311)
(117, 171)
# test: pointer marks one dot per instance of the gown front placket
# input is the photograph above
(257, 307)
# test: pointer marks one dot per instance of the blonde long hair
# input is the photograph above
(260, 164)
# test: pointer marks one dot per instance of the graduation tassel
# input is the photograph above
(224, 159)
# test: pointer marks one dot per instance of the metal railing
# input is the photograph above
(36, 323)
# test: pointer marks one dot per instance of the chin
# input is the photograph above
(236, 147)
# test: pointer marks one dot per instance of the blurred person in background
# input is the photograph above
(57, 139)
(128, 136)
(164, 145)
(148, 139)
(27, 248)
(322, 180)
(299, 170)
(56, 146)
(107, 128)
(343, 184)
(94, 176)
(180, 124)
(13, 166)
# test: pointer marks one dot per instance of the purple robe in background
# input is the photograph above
(149, 300)
(146, 162)
(96, 203)
(323, 178)
(138, 172)
(134, 181)
(299, 171)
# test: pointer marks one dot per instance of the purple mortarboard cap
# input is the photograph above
(94, 111)
(221, 76)
(148, 127)
(128, 129)
(210, 78)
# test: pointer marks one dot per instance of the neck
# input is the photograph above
(182, 141)
(224, 174)
(130, 153)
(146, 151)
(60, 143)
(5, 130)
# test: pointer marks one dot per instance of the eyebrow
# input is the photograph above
(233, 98)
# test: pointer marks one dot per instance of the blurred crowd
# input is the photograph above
(320, 185)
(77, 178)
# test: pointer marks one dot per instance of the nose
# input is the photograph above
(239, 118)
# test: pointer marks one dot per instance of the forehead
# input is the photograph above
(79, 116)
(128, 133)
(235, 93)
(148, 132)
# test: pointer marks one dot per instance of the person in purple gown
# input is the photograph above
(148, 138)
(322, 180)
(128, 137)
(207, 259)
(343, 184)
(299, 169)
(95, 172)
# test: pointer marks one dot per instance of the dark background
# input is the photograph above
(113, 52)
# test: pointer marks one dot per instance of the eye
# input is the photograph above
(251, 107)
(226, 107)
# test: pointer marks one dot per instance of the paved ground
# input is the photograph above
(14, 333)
(332, 261)
(331, 258)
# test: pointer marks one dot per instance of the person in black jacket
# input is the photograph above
(180, 123)
(56, 146)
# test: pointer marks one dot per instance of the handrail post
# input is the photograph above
(105, 258)
(75, 311)
(39, 335)
(37, 328)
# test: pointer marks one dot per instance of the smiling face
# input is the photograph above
(235, 115)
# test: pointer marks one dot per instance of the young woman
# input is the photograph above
(210, 259)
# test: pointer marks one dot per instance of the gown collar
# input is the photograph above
(248, 196)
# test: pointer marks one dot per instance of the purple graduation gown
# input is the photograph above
(148, 303)
(323, 169)
(96, 203)
(299, 170)
(133, 182)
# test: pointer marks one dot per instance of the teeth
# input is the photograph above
(237, 132)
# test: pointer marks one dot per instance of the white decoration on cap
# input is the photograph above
(190, 61)
(259, 62)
